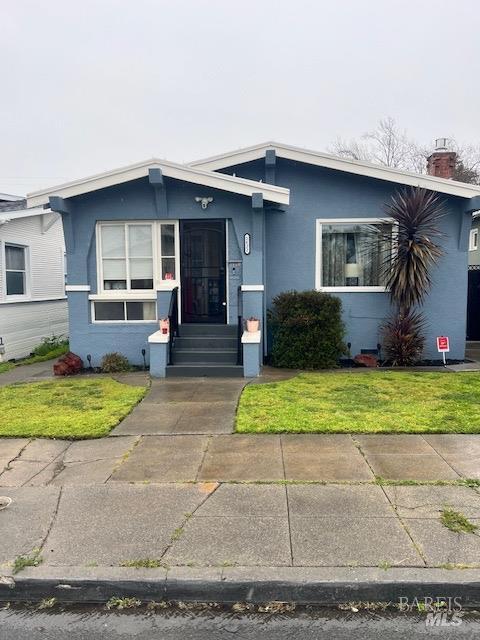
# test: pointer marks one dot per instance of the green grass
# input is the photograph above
(369, 402)
(72, 409)
(42, 353)
(32, 560)
(457, 522)
(143, 563)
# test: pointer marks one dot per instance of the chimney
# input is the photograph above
(442, 162)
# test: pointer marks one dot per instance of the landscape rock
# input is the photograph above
(366, 360)
(68, 365)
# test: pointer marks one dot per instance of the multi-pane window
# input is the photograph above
(15, 270)
(133, 256)
(353, 254)
(127, 256)
(167, 251)
(122, 311)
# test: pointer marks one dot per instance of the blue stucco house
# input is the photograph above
(214, 241)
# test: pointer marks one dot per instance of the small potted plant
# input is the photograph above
(165, 325)
(253, 325)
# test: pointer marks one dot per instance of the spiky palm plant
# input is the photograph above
(403, 338)
(408, 255)
(415, 213)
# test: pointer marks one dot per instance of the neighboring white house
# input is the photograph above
(33, 304)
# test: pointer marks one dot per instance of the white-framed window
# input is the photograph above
(126, 254)
(350, 253)
(136, 256)
(16, 270)
(473, 244)
(124, 311)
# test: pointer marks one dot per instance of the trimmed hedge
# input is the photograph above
(307, 330)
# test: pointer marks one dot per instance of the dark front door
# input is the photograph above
(473, 305)
(202, 267)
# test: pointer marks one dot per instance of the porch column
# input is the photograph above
(253, 291)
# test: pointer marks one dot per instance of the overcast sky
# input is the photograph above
(90, 85)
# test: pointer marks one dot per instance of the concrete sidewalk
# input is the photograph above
(209, 539)
(226, 517)
(239, 458)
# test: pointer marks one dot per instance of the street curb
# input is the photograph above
(320, 586)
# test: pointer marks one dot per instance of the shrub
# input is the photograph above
(51, 344)
(307, 330)
(403, 338)
(114, 363)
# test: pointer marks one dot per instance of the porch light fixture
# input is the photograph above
(204, 202)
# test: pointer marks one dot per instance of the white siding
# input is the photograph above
(45, 251)
(44, 312)
(23, 325)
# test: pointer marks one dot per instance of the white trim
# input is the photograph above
(318, 254)
(26, 296)
(8, 197)
(8, 216)
(159, 338)
(251, 337)
(167, 287)
(77, 287)
(253, 287)
(473, 240)
(120, 296)
(451, 187)
(139, 170)
(28, 300)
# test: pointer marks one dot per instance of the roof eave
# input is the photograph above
(271, 193)
(248, 154)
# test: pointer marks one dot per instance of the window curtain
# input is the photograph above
(334, 251)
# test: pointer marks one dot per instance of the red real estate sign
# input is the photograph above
(443, 344)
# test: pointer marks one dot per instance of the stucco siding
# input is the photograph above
(291, 247)
(474, 256)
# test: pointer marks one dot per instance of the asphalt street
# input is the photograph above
(90, 624)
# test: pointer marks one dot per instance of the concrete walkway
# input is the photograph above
(185, 406)
(27, 373)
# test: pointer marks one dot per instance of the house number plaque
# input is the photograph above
(246, 244)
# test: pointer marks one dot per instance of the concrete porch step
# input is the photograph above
(205, 343)
(204, 330)
(196, 369)
(219, 356)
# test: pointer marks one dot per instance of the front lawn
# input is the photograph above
(366, 402)
(74, 408)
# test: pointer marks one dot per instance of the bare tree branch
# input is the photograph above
(390, 146)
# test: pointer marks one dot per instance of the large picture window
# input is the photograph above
(351, 254)
(126, 256)
(15, 270)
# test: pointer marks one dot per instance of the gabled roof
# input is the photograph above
(194, 175)
(247, 154)
(13, 205)
(7, 197)
(6, 215)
